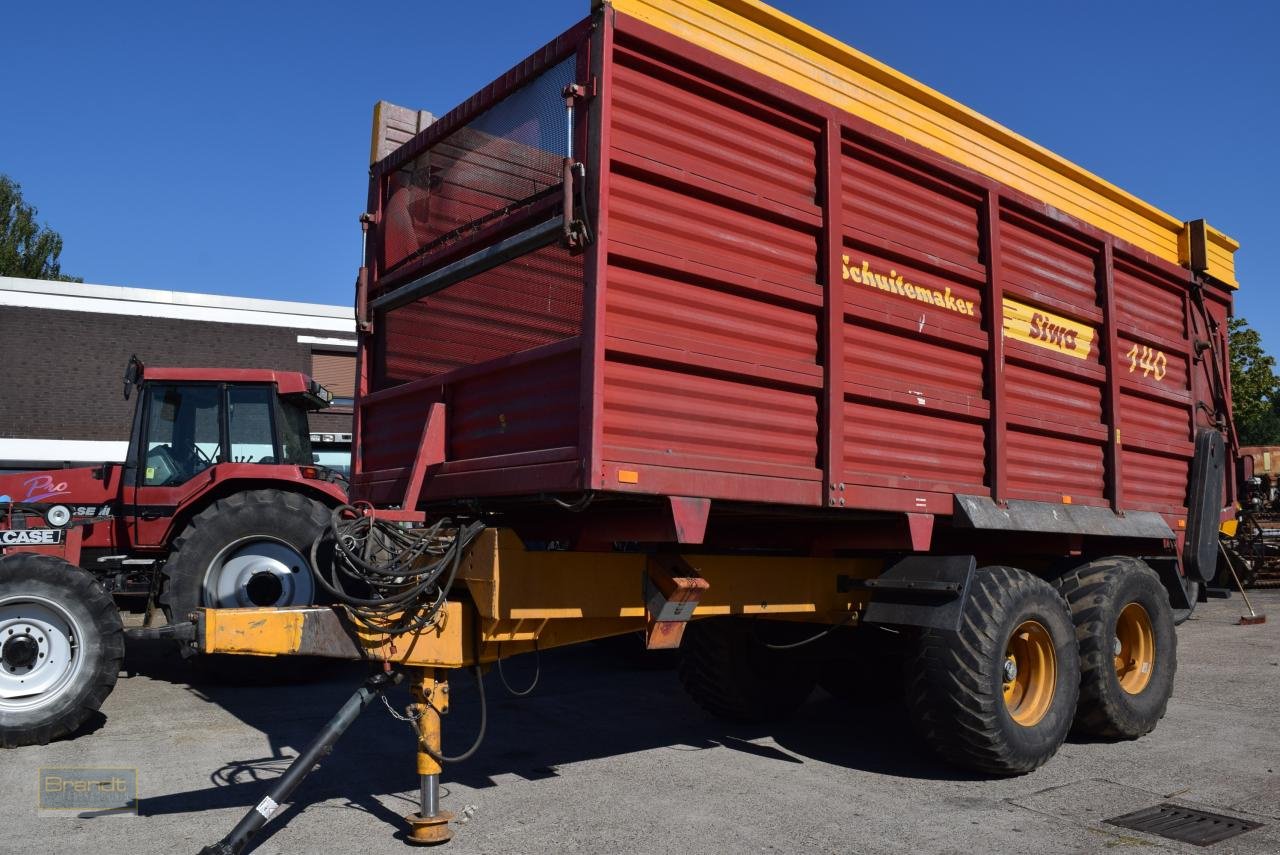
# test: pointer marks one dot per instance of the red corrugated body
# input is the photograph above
(528, 407)
(909, 210)
(673, 416)
(912, 448)
(533, 300)
(782, 306)
(706, 317)
(670, 117)
(1046, 266)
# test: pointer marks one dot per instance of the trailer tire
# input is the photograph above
(868, 670)
(728, 671)
(49, 605)
(1121, 611)
(957, 692)
(1181, 616)
(275, 519)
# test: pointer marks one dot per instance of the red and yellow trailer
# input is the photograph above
(698, 312)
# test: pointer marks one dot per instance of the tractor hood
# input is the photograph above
(86, 491)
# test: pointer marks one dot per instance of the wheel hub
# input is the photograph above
(1135, 648)
(20, 651)
(258, 571)
(40, 656)
(1030, 672)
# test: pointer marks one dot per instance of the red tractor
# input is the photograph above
(217, 504)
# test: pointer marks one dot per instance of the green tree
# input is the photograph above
(1255, 389)
(27, 249)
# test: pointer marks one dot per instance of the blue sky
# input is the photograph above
(223, 147)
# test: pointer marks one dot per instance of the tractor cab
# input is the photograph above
(189, 420)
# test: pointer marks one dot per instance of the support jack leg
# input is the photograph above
(252, 823)
(429, 825)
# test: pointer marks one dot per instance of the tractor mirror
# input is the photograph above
(132, 375)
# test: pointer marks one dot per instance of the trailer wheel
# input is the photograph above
(728, 671)
(1181, 616)
(249, 549)
(1128, 646)
(61, 645)
(868, 669)
(999, 695)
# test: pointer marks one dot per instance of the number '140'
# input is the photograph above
(1153, 363)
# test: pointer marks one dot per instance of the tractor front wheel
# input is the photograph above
(61, 645)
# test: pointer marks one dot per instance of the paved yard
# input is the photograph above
(606, 758)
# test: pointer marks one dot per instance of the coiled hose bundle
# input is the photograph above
(390, 579)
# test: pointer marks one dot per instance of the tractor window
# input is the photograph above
(183, 436)
(295, 440)
(249, 424)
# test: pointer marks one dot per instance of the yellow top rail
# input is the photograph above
(770, 42)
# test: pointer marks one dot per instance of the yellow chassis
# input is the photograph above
(519, 600)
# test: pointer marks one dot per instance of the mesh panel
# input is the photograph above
(509, 153)
(533, 300)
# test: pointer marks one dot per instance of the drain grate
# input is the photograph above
(1188, 825)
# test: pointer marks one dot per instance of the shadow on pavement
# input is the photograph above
(588, 705)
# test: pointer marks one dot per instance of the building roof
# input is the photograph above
(181, 305)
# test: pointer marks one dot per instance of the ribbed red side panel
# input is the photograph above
(393, 428)
(711, 311)
(654, 212)
(1154, 482)
(1049, 267)
(670, 310)
(529, 407)
(913, 340)
(1047, 468)
(905, 209)
(669, 117)
(533, 300)
(673, 417)
(1054, 386)
(1150, 306)
(887, 445)
(1156, 411)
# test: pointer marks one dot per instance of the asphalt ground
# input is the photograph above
(608, 757)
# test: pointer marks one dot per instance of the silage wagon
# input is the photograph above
(699, 313)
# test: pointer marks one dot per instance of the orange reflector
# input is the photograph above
(1066, 500)
(309, 472)
(628, 476)
(1182, 523)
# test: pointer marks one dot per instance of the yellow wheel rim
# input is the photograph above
(1135, 648)
(1030, 673)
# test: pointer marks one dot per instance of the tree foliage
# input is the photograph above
(27, 249)
(1255, 389)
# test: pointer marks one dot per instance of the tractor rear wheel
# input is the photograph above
(729, 670)
(61, 645)
(999, 695)
(1128, 646)
(249, 549)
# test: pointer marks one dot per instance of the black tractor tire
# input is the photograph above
(97, 632)
(291, 518)
(1098, 593)
(728, 670)
(956, 680)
